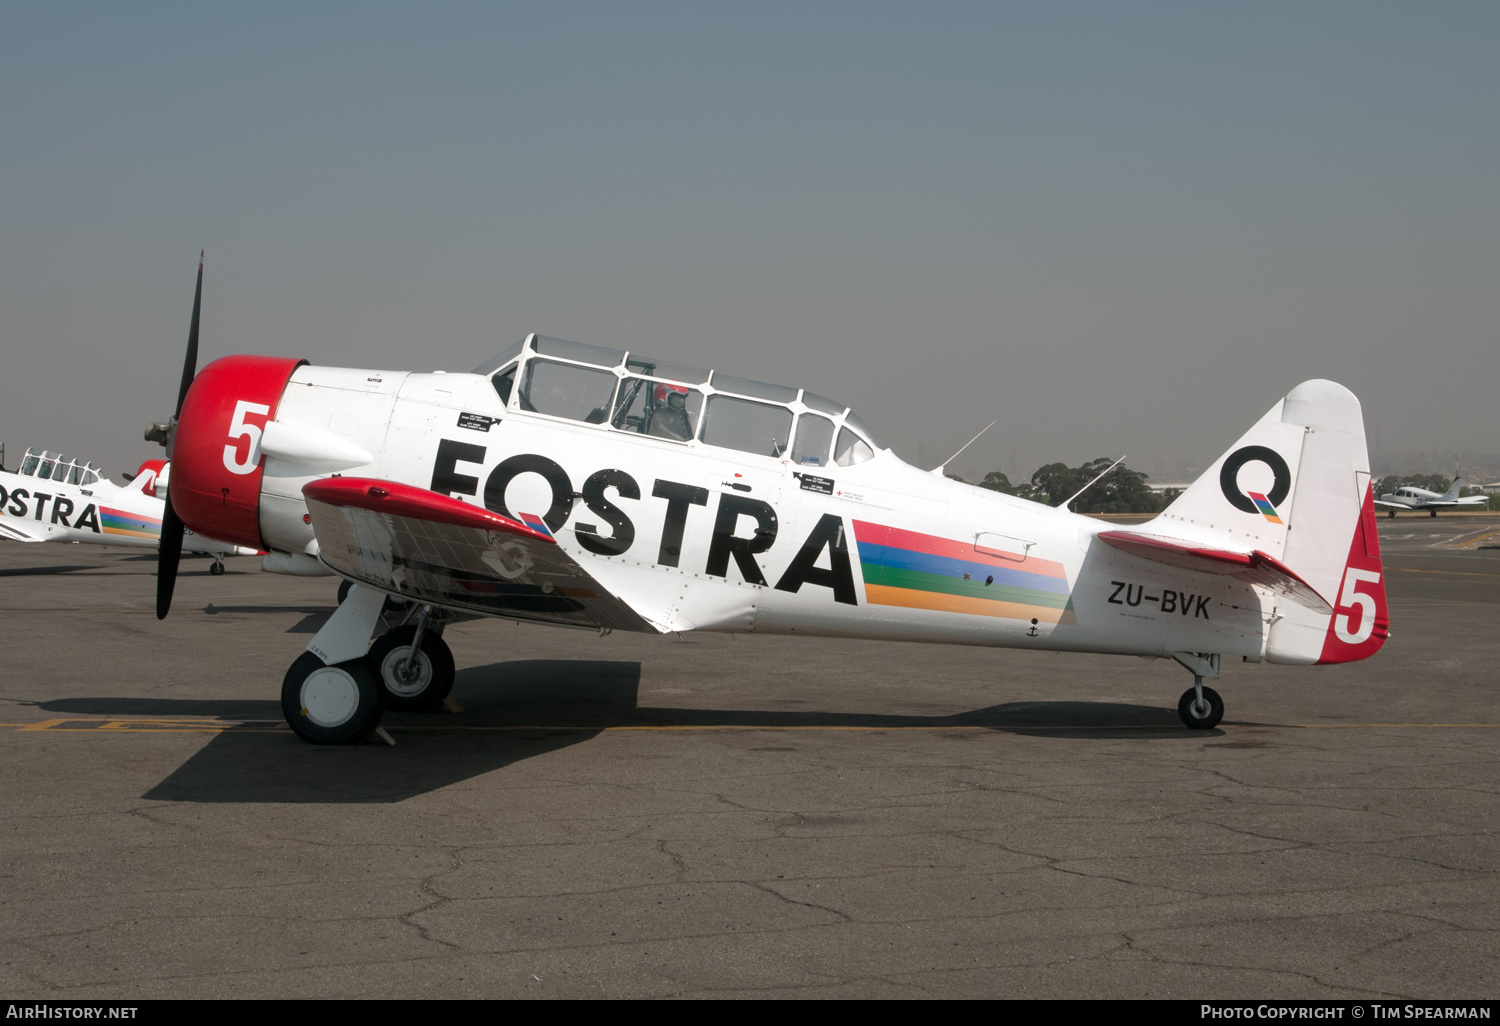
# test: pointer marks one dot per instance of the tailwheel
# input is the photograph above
(1200, 711)
(331, 705)
(413, 681)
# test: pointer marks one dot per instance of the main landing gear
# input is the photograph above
(415, 665)
(218, 568)
(1200, 708)
(336, 692)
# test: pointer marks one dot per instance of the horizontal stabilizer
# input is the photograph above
(1254, 567)
(430, 547)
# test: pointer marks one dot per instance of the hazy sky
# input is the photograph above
(1114, 227)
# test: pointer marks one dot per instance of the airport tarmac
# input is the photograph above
(740, 816)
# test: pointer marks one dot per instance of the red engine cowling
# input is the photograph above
(216, 461)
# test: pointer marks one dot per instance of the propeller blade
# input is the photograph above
(168, 555)
(169, 548)
(190, 364)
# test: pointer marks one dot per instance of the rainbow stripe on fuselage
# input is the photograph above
(130, 525)
(923, 571)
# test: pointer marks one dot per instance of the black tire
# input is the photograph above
(434, 670)
(331, 705)
(1391, 514)
(344, 587)
(1191, 719)
(217, 569)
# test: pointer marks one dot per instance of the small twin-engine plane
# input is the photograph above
(1413, 498)
(51, 498)
(597, 488)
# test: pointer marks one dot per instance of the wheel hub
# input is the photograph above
(398, 680)
(330, 697)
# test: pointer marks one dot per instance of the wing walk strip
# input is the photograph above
(167, 726)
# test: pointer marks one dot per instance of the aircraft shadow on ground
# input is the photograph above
(521, 709)
(315, 615)
(43, 571)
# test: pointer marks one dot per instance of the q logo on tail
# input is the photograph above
(1256, 502)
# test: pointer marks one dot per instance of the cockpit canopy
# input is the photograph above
(51, 466)
(626, 391)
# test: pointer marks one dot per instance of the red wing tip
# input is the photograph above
(412, 501)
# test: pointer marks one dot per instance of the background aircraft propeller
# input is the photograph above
(169, 550)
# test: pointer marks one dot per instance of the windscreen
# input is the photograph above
(567, 390)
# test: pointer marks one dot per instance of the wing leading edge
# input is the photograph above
(1251, 567)
(432, 548)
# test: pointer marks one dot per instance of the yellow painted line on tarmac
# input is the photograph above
(1312, 726)
(79, 609)
(1451, 573)
(97, 726)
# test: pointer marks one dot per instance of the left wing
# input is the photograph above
(15, 532)
(426, 546)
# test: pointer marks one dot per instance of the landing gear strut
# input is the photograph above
(218, 568)
(414, 664)
(1200, 708)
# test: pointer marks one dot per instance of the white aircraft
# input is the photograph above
(1414, 498)
(51, 498)
(597, 488)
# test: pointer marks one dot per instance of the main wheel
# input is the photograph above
(431, 676)
(216, 569)
(1391, 514)
(1195, 715)
(331, 705)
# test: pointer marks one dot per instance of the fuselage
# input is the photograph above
(752, 534)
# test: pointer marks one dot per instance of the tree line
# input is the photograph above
(1122, 490)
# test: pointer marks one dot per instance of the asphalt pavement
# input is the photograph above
(740, 816)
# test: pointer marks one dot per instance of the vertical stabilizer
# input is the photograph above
(1297, 487)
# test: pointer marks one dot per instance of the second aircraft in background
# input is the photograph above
(51, 498)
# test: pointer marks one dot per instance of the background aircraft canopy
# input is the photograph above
(51, 466)
(625, 391)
